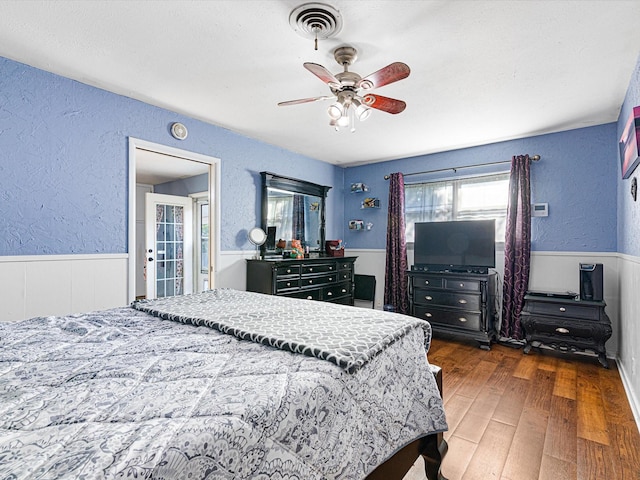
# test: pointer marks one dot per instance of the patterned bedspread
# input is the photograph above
(124, 394)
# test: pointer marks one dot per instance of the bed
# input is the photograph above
(219, 385)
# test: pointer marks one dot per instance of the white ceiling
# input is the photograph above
(481, 71)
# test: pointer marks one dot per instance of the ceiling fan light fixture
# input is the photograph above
(343, 121)
(361, 112)
(335, 110)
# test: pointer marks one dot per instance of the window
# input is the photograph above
(462, 199)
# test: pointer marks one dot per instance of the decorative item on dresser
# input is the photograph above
(457, 303)
(566, 323)
(326, 279)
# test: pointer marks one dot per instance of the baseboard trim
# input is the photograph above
(633, 400)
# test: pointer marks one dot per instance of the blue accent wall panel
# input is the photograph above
(628, 210)
(576, 177)
(64, 166)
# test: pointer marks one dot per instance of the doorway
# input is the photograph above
(155, 167)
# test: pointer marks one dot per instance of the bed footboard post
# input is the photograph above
(435, 446)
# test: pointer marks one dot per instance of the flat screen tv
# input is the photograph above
(459, 246)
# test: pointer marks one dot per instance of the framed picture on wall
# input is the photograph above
(629, 142)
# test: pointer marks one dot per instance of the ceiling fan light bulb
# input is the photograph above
(363, 113)
(335, 111)
(343, 121)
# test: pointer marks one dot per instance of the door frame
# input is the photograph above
(214, 206)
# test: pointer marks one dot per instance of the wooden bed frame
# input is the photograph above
(433, 448)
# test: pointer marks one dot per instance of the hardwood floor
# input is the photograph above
(538, 416)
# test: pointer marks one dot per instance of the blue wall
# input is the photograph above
(64, 166)
(628, 210)
(63, 173)
(576, 176)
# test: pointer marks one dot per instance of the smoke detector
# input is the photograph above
(316, 21)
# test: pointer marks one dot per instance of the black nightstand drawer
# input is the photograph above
(454, 318)
(558, 328)
(464, 301)
(565, 310)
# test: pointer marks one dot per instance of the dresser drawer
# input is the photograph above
(454, 318)
(288, 270)
(287, 283)
(313, 294)
(345, 275)
(462, 284)
(345, 266)
(339, 290)
(312, 269)
(428, 281)
(565, 310)
(558, 328)
(466, 301)
(316, 280)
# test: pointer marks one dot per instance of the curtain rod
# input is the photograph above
(535, 158)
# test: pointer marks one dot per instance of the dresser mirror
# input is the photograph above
(292, 209)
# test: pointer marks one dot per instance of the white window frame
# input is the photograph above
(456, 183)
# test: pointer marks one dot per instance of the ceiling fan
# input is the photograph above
(351, 91)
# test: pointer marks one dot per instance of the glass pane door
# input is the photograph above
(169, 246)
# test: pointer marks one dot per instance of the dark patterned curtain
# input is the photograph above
(395, 278)
(298, 218)
(517, 247)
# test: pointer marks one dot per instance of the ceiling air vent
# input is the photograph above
(318, 21)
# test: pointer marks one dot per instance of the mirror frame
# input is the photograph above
(296, 186)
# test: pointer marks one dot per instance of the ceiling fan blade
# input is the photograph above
(323, 74)
(386, 104)
(304, 100)
(389, 74)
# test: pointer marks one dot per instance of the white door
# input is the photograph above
(169, 245)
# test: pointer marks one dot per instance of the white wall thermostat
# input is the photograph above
(540, 210)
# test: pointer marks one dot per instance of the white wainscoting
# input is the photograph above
(42, 285)
(629, 346)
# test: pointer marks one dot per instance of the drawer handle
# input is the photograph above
(426, 282)
(310, 282)
(462, 301)
(329, 294)
(309, 297)
(462, 284)
(344, 290)
(288, 270)
(311, 269)
(288, 284)
(562, 309)
(428, 315)
(331, 279)
(562, 330)
(462, 319)
(428, 297)
(330, 268)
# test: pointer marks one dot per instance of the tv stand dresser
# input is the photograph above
(459, 303)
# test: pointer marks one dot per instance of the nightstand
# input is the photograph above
(566, 324)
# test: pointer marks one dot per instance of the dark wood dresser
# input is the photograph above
(458, 303)
(327, 279)
(566, 324)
